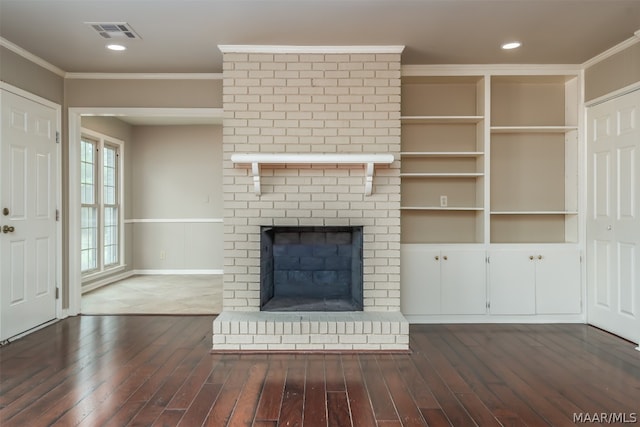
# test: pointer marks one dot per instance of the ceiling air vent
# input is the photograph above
(114, 30)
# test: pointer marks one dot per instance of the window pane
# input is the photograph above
(89, 238)
(110, 235)
(87, 172)
(109, 173)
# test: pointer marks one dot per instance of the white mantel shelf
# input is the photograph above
(368, 160)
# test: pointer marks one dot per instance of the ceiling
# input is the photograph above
(181, 36)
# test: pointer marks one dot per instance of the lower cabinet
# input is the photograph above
(534, 281)
(442, 281)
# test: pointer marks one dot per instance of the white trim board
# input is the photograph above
(144, 76)
(185, 272)
(612, 51)
(31, 57)
(174, 220)
(489, 69)
(216, 113)
(611, 95)
(228, 48)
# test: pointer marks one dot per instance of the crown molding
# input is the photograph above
(612, 51)
(144, 76)
(493, 69)
(31, 57)
(225, 48)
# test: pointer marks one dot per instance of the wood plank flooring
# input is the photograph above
(158, 371)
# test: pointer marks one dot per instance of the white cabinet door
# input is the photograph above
(535, 282)
(512, 282)
(420, 275)
(442, 282)
(558, 282)
(463, 285)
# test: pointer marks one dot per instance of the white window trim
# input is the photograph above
(102, 140)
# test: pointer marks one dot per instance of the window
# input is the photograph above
(101, 195)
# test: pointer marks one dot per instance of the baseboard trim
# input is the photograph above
(106, 281)
(177, 271)
(145, 272)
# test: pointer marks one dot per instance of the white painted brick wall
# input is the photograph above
(320, 103)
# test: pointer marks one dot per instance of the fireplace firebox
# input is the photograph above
(311, 269)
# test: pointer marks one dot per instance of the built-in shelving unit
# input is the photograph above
(490, 206)
(442, 159)
(534, 159)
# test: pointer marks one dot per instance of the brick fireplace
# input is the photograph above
(311, 100)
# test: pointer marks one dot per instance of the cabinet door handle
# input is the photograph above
(539, 256)
(531, 257)
(445, 257)
(437, 258)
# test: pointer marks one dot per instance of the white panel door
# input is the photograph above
(28, 163)
(613, 223)
(512, 286)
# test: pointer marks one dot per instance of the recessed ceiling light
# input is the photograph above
(511, 45)
(116, 47)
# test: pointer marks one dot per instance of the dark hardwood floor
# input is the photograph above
(158, 371)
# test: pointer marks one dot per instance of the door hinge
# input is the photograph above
(488, 260)
(57, 214)
(488, 305)
(57, 137)
(57, 293)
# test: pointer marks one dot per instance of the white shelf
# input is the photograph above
(441, 175)
(532, 129)
(257, 159)
(441, 154)
(534, 212)
(441, 119)
(439, 208)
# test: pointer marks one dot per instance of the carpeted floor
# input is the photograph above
(157, 294)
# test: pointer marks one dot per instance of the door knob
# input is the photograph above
(8, 229)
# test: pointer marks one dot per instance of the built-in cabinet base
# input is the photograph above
(491, 283)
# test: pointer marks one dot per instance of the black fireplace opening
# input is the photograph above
(311, 268)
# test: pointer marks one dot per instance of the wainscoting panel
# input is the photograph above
(183, 244)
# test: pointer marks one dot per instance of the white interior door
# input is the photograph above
(28, 171)
(613, 223)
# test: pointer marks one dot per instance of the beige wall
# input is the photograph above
(176, 174)
(24, 74)
(171, 172)
(615, 72)
(143, 93)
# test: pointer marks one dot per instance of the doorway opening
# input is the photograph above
(166, 218)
